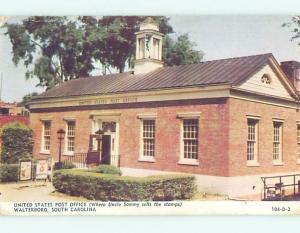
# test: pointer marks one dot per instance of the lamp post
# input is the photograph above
(99, 135)
(61, 135)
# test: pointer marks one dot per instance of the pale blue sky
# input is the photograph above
(218, 36)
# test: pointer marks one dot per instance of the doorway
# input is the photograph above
(106, 149)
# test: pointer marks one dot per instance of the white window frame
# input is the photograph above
(298, 142)
(279, 161)
(145, 117)
(253, 162)
(43, 150)
(183, 117)
(66, 148)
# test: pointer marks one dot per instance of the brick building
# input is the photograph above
(227, 121)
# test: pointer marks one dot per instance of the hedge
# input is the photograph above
(106, 169)
(106, 187)
(17, 142)
(63, 165)
(9, 172)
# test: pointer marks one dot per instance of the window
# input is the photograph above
(252, 141)
(277, 142)
(148, 138)
(298, 142)
(46, 136)
(266, 79)
(142, 48)
(190, 139)
(70, 137)
(155, 48)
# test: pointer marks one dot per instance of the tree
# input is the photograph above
(17, 142)
(58, 49)
(115, 35)
(180, 51)
(27, 98)
(54, 45)
(295, 22)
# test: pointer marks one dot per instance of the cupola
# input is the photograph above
(148, 55)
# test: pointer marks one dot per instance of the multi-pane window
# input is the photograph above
(190, 138)
(298, 141)
(277, 138)
(46, 135)
(148, 138)
(252, 140)
(70, 136)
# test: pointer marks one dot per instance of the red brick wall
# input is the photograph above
(238, 138)
(222, 123)
(213, 145)
(213, 138)
(82, 131)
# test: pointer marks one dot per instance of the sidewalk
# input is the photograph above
(30, 191)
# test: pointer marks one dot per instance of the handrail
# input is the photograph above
(280, 176)
(280, 185)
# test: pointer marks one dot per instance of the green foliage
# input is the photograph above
(106, 169)
(55, 46)
(57, 49)
(60, 48)
(295, 23)
(17, 142)
(63, 165)
(27, 98)
(107, 187)
(180, 51)
(9, 172)
(115, 35)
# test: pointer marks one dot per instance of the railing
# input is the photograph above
(93, 158)
(278, 189)
(78, 159)
(82, 160)
(115, 160)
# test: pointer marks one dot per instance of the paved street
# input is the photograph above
(31, 191)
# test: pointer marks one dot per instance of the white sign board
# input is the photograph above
(41, 169)
(25, 170)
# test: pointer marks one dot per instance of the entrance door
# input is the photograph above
(106, 152)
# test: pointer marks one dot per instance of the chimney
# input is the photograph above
(148, 56)
(292, 71)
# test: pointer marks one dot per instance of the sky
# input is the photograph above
(216, 35)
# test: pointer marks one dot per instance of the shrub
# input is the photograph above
(16, 142)
(63, 165)
(9, 172)
(106, 169)
(107, 187)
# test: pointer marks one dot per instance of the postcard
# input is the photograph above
(150, 115)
